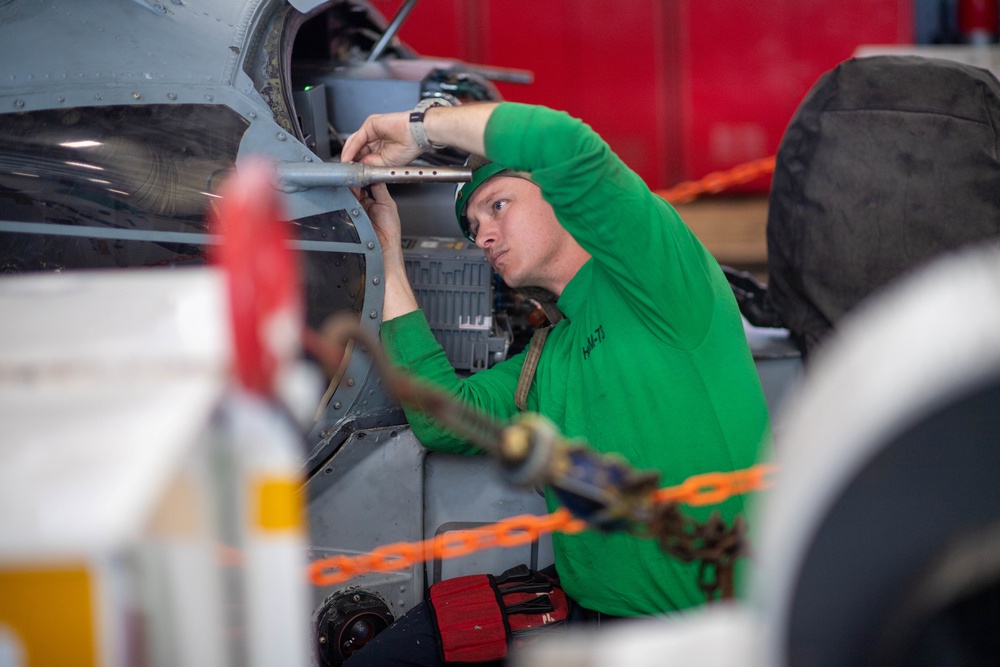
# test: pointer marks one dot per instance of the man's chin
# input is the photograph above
(511, 281)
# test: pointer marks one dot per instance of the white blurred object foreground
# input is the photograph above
(149, 508)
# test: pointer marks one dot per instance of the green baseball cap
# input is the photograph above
(482, 171)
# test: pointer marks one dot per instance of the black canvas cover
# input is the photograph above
(887, 162)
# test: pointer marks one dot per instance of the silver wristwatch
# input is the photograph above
(417, 120)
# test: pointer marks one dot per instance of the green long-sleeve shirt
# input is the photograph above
(651, 361)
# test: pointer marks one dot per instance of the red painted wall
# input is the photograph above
(679, 88)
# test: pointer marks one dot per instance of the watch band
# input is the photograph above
(417, 130)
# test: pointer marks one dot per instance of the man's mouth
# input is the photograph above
(495, 257)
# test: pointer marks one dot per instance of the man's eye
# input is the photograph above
(499, 204)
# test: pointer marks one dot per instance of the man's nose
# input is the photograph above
(486, 235)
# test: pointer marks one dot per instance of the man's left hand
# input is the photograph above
(384, 140)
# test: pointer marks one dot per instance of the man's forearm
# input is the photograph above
(386, 140)
(462, 127)
(399, 297)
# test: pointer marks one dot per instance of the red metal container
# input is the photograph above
(977, 20)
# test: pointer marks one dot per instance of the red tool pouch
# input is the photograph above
(476, 617)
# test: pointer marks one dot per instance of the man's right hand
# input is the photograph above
(381, 209)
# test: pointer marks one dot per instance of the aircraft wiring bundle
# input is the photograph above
(598, 491)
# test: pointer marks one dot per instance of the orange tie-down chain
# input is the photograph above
(705, 489)
(718, 181)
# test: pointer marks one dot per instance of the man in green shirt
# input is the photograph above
(651, 361)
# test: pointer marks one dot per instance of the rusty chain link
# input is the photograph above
(714, 546)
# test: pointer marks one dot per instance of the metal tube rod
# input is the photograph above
(296, 176)
(391, 31)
